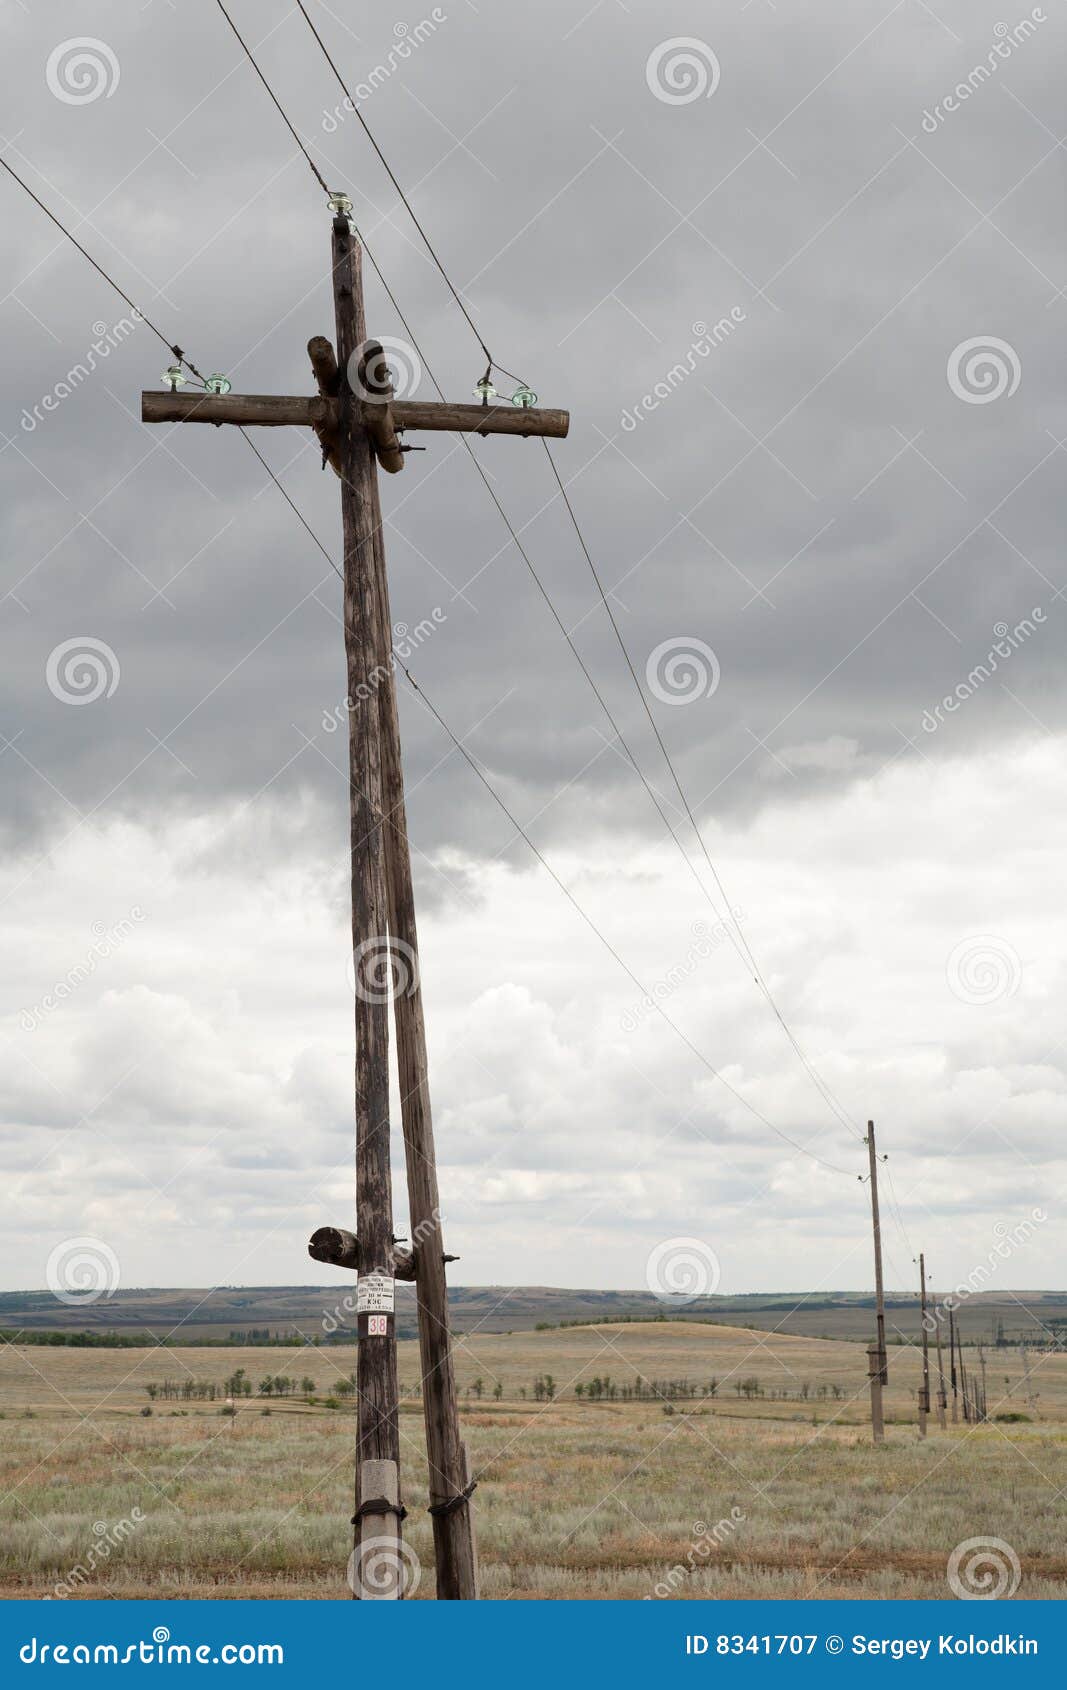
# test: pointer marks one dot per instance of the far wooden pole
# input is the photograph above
(924, 1389)
(376, 1372)
(952, 1367)
(942, 1394)
(877, 1358)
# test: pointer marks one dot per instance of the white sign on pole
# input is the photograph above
(374, 1293)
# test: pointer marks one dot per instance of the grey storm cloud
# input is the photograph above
(798, 274)
(808, 496)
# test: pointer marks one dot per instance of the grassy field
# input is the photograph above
(776, 1494)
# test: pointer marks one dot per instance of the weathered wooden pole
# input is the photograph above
(952, 1367)
(942, 1394)
(377, 1517)
(450, 1489)
(359, 423)
(877, 1358)
(924, 1389)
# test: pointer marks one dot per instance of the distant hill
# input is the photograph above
(318, 1313)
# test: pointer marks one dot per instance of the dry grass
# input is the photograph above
(574, 1499)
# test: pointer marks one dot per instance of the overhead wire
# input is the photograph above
(491, 363)
(457, 743)
(136, 309)
(735, 931)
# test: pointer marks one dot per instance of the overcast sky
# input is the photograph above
(818, 522)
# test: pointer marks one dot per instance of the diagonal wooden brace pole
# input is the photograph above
(454, 1545)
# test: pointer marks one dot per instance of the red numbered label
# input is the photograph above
(377, 1325)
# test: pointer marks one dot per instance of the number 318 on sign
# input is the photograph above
(377, 1325)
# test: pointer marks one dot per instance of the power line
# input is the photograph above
(542, 859)
(736, 932)
(316, 172)
(491, 363)
(741, 944)
(136, 309)
(704, 1060)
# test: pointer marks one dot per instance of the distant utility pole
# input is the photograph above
(983, 1399)
(359, 423)
(924, 1389)
(877, 1359)
(952, 1367)
(942, 1394)
(963, 1381)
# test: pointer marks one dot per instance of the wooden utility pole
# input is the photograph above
(877, 1358)
(963, 1380)
(942, 1394)
(360, 425)
(924, 1389)
(983, 1400)
(952, 1367)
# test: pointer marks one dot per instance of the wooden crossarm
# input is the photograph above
(270, 410)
